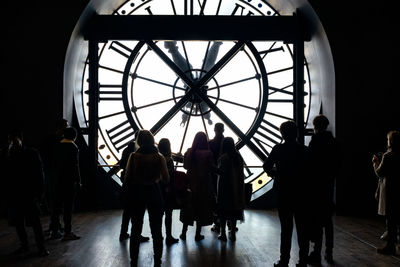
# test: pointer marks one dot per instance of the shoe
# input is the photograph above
(222, 238)
(314, 259)
(384, 236)
(232, 236)
(387, 250)
(144, 239)
(216, 229)
(55, 235)
(70, 236)
(123, 236)
(43, 252)
(183, 236)
(281, 264)
(329, 257)
(171, 240)
(198, 237)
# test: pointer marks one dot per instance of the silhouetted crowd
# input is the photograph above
(33, 182)
(304, 180)
(211, 191)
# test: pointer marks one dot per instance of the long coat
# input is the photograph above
(230, 197)
(324, 166)
(67, 165)
(199, 174)
(382, 196)
(390, 169)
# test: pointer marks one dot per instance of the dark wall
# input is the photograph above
(362, 37)
(35, 38)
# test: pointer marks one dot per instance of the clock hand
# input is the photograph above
(178, 59)
(211, 57)
(220, 64)
(208, 62)
(184, 65)
(178, 71)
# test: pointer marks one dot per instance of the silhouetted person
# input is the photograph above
(324, 165)
(125, 215)
(48, 153)
(286, 164)
(381, 197)
(145, 169)
(198, 161)
(164, 146)
(215, 147)
(230, 194)
(389, 168)
(68, 181)
(25, 187)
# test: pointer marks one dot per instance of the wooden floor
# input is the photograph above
(257, 244)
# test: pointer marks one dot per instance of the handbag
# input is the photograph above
(180, 186)
(181, 182)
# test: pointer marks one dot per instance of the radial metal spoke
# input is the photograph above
(244, 139)
(235, 82)
(278, 115)
(280, 90)
(171, 113)
(111, 115)
(271, 47)
(156, 103)
(231, 102)
(158, 82)
(170, 64)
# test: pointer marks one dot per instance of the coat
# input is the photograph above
(67, 166)
(199, 172)
(230, 193)
(288, 164)
(381, 191)
(146, 167)
(390, 169)
(324, 166)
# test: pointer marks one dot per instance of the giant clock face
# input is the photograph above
(177, 88)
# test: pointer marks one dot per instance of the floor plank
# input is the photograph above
(257, 244)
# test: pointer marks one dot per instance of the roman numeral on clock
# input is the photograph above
(108, 93)
(121, 134)
(240, 10)
(267, 136)
(120, 48)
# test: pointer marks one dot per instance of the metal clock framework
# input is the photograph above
(179, 67)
